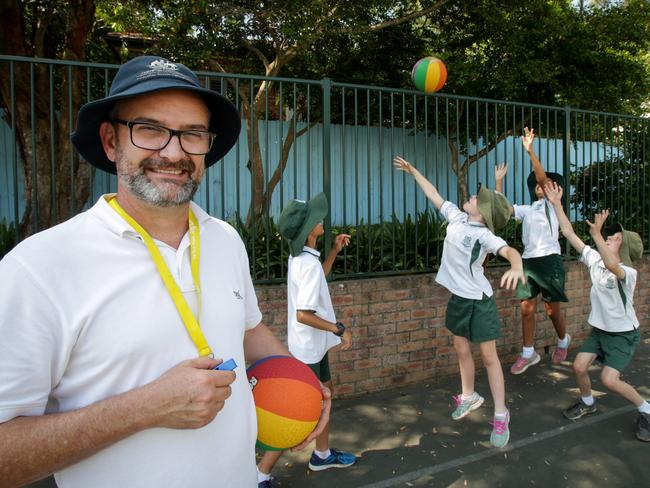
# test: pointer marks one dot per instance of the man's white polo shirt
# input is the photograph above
(84, 315)
(466, 245)
(307, 290)
(612, 300)
(541, 229)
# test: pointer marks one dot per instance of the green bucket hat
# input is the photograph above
(531, 182)
(299, 218)
(631, 244)
(494, 208)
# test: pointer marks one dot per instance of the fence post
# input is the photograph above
(566, 165)
(326, 83)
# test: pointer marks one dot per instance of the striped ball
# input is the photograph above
(429, 74)
(288, 401)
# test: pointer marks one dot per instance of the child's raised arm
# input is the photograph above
(554, 195)
(527, 141)
(427, 187)
(609, 259)
(500, 171)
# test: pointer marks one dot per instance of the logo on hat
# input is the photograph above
(163, 65)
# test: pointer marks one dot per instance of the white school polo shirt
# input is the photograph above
(84, 315)
(541, 229)
(466, 245)
(612, 300)
(307, 290)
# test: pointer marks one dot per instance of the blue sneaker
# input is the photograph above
(266, 483)
(337, 459)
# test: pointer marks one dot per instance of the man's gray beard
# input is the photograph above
(147, 191)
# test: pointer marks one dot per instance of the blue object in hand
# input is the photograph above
(229, 365)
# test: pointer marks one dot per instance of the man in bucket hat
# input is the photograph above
(312, 326)
(471, 314)
(615, 327)
(102, 317)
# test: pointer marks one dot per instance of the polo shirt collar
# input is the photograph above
(121, 227)
(310, 250)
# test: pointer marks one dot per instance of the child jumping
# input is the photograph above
(615, 328)
(471, 312)
(543, 265)
(312, 325)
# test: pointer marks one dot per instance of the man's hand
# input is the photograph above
(596, 227)
(528, 138)
(189, 395)
(322, 422)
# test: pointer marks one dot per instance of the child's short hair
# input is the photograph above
(531, 182)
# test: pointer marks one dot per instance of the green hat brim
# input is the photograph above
(316, 212)
(494, 207)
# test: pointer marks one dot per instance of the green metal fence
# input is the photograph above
(300, 137)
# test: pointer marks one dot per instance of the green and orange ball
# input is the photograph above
(429, 74)
(288, 401)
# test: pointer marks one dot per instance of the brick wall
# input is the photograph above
(399, 333)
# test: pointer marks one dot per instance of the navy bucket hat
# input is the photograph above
(147, 74)
(532, 182)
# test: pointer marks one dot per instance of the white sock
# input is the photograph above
(262, 476)
(563, 343)
(467, 397)
(501, 416)
(588, 400)
(323, 454)
(527, 352)
(644, 407)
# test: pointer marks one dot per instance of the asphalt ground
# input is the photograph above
(406, 437)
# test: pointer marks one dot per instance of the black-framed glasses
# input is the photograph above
(153, 137)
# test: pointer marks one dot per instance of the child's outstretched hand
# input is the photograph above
(341, 241)
(402, 164)
(528, 138)
(553, 192)
(512, 277)
(596, 227)
(500, 171)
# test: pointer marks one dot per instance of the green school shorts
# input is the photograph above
(544, 275)
(322, 369)
(476, 320)
(614, 349)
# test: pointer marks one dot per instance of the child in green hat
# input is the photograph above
(471, 312)
(615, 327)
(312, 325)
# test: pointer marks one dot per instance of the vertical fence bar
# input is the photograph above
(326, 85)
(32, 107)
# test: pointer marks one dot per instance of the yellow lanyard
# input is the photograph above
(191, 324)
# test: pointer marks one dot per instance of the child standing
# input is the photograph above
(615, 331)
(543, 265)
(471, 312)
(312, 326)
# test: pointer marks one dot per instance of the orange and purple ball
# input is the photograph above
(288, 401)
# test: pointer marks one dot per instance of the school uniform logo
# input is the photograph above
(611, 283)
(467, 242)
(237, 295)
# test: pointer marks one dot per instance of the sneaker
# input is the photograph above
(580, 409)
(337, 459)
(560, 353)
(464, 407)
(266, 483)
(643, 427)
(500, 431)
(522, 364)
